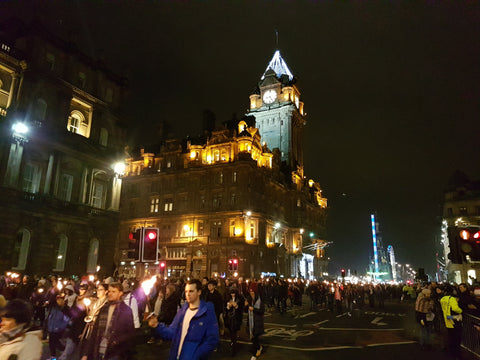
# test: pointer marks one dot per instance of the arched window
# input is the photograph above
(92, 261)
(20, 252)
(75, 121)
(61, 253)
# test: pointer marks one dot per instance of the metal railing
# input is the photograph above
(471, 334)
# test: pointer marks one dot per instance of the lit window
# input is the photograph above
(74, 122)
(200, 228)
(202, 201)
(233, 199)
(154, 204)
(252, 230)
(217, 155)
(220, 178)
(168, 205)
(79, 120)
(463, 211)
(232, 228)
(169, 164)
(299, 202)
(224, 155)
(234, 177)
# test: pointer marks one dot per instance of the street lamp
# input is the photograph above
(119, 168)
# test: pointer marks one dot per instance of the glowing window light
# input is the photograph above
(193, 155)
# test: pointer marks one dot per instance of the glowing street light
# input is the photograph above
(119, 168)
(20, 128)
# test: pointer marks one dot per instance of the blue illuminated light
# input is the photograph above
(374, 237)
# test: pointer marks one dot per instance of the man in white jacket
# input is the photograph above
(130, 300)
(15, 339)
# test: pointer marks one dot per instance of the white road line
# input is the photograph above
(393, 343)
(281, 325)
(327, 348)
(358, 329)
(318, 323)
(341, 315)
(308, 314)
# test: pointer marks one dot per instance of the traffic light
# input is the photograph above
(235, 264)
(150, 245)
(343, 273)
(464, 241)
(134, 244)
(230, 264)
(162, 266)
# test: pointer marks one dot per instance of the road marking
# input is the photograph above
(272, 324)
(376, 321)
(393, 343)
(318, 323)
(359, 329)
(324, 348)
(287, 334)
(341, 315)
(305, 315)
(383, 313)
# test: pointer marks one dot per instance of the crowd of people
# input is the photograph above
(88, 318)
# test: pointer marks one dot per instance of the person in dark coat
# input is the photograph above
(255, 308)
(213, 296)
(233, 315)
(113, 332)
(168, 309)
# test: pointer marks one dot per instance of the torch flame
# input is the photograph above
(147, 285)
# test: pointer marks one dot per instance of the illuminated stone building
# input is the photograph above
(230, 196)
(59, 136)
(461, 208)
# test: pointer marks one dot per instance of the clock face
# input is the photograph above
(269, 96)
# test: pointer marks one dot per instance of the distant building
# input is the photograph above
(234, 194)
(60, 135)
(461, 208)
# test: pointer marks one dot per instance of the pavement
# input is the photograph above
(304, 333)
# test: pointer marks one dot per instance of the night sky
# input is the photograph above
(391, 91)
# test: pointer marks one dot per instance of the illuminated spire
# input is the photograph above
(278, 65)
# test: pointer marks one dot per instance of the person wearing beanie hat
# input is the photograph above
(15, 339)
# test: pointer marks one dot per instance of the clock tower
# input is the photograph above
(279, 112)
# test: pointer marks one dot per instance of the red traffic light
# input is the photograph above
(343, 270)
(235, 261)
(464, 234)
(152, 235)
(131, 237)
(230, 261)
(162, 264)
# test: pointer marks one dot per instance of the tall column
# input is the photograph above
(13, 165)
